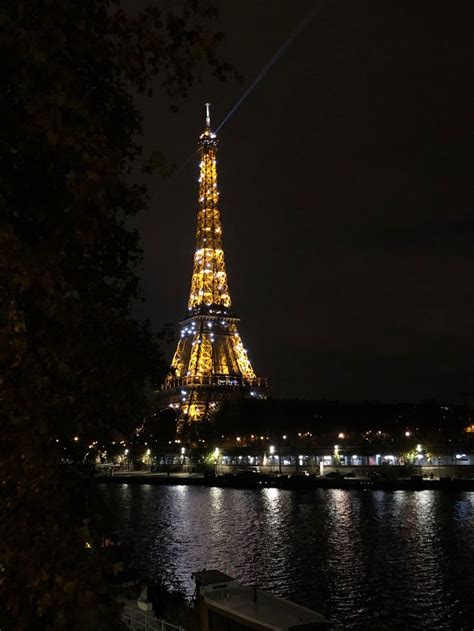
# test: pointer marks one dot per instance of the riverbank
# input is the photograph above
(255, 481)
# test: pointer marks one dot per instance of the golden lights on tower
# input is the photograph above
(209, 281)
(210, 362)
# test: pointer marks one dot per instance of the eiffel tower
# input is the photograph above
(210, 363)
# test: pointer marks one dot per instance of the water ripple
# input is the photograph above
(371, 560)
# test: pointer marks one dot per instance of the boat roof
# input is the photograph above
(262, 608)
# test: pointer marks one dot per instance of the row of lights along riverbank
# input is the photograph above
(277, 451)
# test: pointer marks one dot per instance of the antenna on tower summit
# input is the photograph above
(208, 115)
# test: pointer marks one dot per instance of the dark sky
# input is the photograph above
(346, 197)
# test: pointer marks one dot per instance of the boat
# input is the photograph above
(223, 603)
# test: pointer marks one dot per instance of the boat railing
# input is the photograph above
(137, 620)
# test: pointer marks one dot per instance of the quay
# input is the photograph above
(250, 479)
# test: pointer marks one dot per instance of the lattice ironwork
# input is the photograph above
(210, 363)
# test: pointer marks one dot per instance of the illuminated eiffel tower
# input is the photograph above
(210, 363)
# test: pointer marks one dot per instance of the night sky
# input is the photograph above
(346, 197)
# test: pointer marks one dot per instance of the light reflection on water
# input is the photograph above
(373, 560)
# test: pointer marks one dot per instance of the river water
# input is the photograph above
(365, 559)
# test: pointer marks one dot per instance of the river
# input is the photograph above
(365, 559)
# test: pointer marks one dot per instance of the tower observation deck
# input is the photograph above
(210, 363)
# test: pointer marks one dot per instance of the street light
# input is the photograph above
(128, 459)
(148, 459)
(279, 452)
(271, 449)
(337, 456)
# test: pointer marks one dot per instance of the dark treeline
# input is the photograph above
(76, 365)
(326, 420)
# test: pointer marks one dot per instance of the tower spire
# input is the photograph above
(209, 288)
(208, 115)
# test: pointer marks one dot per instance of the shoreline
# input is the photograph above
(296, 483)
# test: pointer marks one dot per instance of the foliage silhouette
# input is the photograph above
(74, 361)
